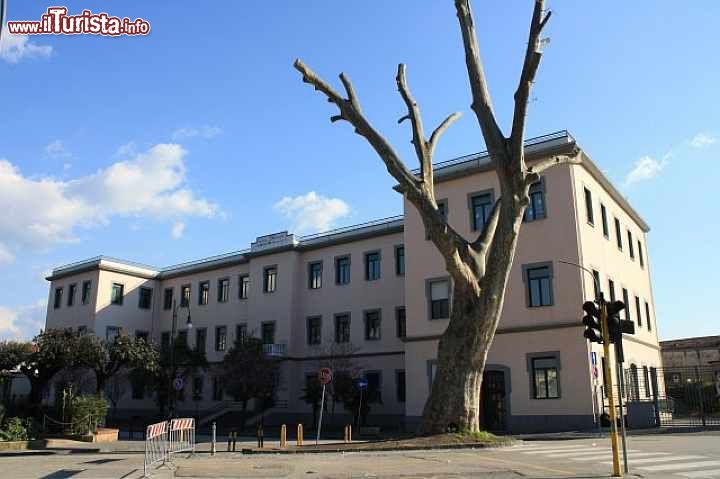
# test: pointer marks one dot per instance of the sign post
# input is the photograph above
(325, 377)
(362, 385)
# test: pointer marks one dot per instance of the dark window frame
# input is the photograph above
(531, 359)
(638, 311)
(220, 340)
(631, 246)
(399, 260)
(596, 283)
(57, 298)
(339, 278)
(113, 298)
(262, 331)
(641, 258)
(647, 316)
(313, 330)
(185, 298)
(204, 339)
(243, 286)
(626, 300)
(400, 386)
(85, 293)
(340, 336)
(604, 218)
(145, 290)
(72, 290)
(315, 274)
(439, 305)
(532, 269)
(536, 190)
(203, 293)
(618, 234)
(168, 299)
(400, 322)
(223, 290)
(367, 255)
(589, 212)
(485, 206)
(270, 278)
(366, 324)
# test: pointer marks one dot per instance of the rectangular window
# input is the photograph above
(144, 335)
(618, 235)
(439, 298)
(168, 298)
(314, 330)
(197, 388)
(116, 295)
(165, 340)
(204, 293)
(220, 338)
(342, 328)
(218, 393)
(611, 288)
(244, 286)
(400, 260)
(480, 208)
(400, 385)
(372, 325)
(536, 207)
(223, 290)
(342, 270)
(545, 378)
(372, 266)
(58, 298)
(85, 295)
(646, 380)
(182, 337)
(603, 214)
(640, 254)
(267, 331)
(145, 300)
(596, 283)
(374, 384)
(111, 332)
(626, 300)
(400, 322)
(241, 333)
(315, 275)
(185, 296)
(647, 316)
(270, 279)
(201, 339)
(539, 286)
(589, 207)
(631, 246)
(72, 289)
(638, 311)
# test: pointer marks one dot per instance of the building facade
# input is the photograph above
(379, 292)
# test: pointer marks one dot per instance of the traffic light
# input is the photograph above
(617, 326)
(592, 321)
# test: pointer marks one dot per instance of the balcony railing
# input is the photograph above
(275, 350)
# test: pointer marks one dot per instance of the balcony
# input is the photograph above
(275, 350)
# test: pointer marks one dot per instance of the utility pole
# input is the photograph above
(607, 372)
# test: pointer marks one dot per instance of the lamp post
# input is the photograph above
(188, 323)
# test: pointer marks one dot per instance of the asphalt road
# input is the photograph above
(674, 456)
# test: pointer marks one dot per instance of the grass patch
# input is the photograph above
(480, 436)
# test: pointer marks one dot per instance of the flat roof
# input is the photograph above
(699, 342)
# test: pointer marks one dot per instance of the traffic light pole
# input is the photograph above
(611, 399)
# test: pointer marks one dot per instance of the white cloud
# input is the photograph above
(205, 131)
(128, 150)
(14, 48)
(702, 140)
(646, 168)
(312, 212)
(6, 257)
(177, 230)
(39, 213)
(56, 149)
(23, 322)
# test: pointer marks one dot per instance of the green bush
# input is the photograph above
(18, 429)
(87, 412)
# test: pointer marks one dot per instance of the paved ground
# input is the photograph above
(674, 456)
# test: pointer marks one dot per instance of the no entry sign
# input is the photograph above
(325, 376)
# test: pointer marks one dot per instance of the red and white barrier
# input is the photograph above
(182, 436)
(156, 445)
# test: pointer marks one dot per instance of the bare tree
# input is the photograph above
(479, 267)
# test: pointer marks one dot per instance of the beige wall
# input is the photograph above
(79, 314)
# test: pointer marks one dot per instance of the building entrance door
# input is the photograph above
(492, 401)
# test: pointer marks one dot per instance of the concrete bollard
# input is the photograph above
(229, 440)
(348, 434)
(283, 436)
(299, 434)
(260, 436)
(214, 439)
(234, 440)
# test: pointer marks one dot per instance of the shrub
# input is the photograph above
(87, 412)
(18, 429)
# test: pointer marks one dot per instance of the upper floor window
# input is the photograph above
(85, 294)
(400, 322)
(631, 246)
(270, 279)
(111, 332)
(201, 339)
(241, 332)
(220, 338)
(314, 330)
(400, 385)
(185, 296)
(372, 266)
(480, 208)
(72, 289)
(539, 286)
(638, 312)
(400, 260)
(647, 316)
(611, 288)
(596, 283)
(267, 332)
(603, 214)
(640, 254)
(626, 300)
(589, 207)
(168, 298)
(439, 299)
(223, 290)
(342, 270)
(315, 275)
(536, 207)
(372, 325)
(145, 301)
(342, 328)
(117, 293)
(204, 293)
(618, 235)
(244, 286)
(546, 384)
(57, 302)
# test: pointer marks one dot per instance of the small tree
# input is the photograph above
(13, 354)
(187, 362)
(249, 373)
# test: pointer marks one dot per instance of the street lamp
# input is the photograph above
(189, 325)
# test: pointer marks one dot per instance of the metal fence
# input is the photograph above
(182, 436)
(165, 438)
(156, 446)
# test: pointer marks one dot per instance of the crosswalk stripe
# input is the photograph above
(687, 465)
(557, 449)
(659, 459)
(715, 473)
(609, 454)
(595, 452)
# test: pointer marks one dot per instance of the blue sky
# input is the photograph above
(197, 138)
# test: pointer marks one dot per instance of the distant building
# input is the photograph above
(685, 359)
(383, 287)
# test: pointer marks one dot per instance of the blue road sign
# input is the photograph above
(178, 384)
(362, 383)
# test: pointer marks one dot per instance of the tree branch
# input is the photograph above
(440, 130)
(418, 141)
(534, 170)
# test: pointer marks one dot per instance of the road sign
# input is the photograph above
(178, 384)
(325, 376)
(362, 383)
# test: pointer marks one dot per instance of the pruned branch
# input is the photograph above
(418, 141)
(432, 143)
(534, 170)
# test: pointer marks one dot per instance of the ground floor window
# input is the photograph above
(545, 377)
